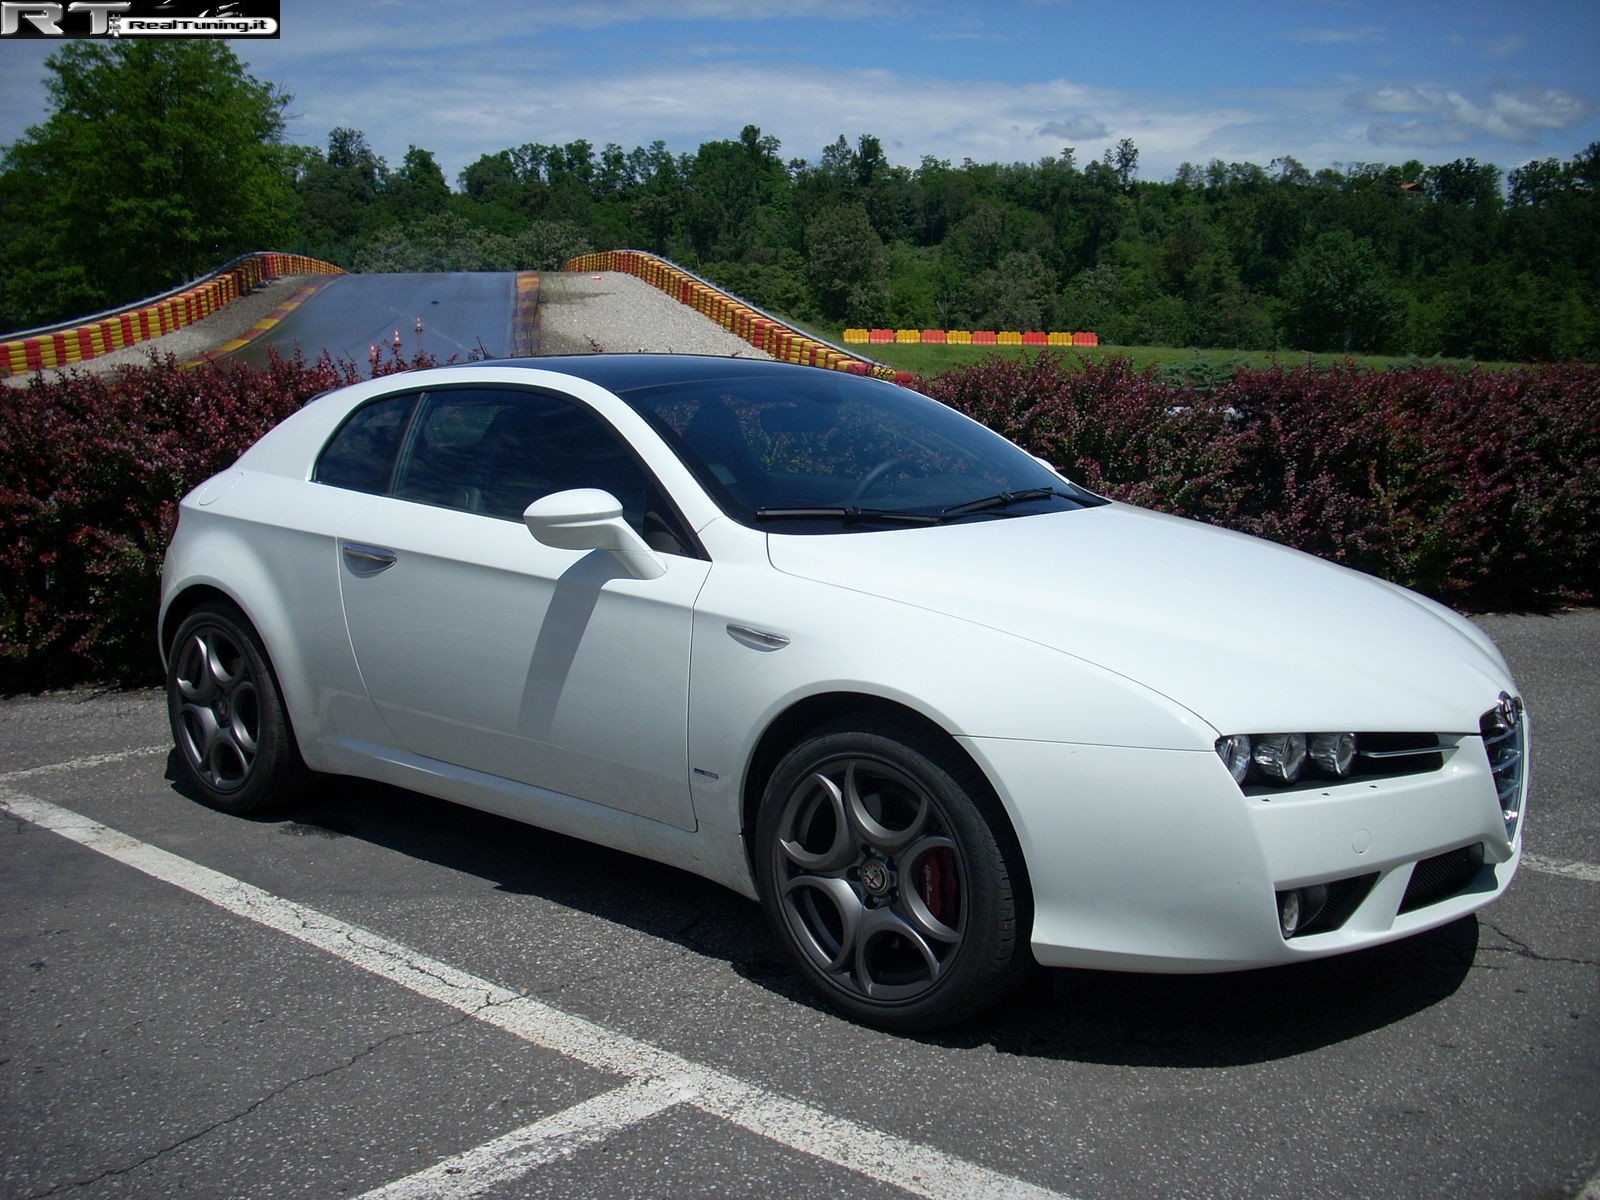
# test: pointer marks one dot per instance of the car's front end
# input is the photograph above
(1341, 763)
(1161, 861)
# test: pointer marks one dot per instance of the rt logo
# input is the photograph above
(46, 18)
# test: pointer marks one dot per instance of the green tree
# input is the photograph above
(1018, 294)
(1124, 161)
(847, 264)
(438, 242)
(340, 192)
(728, 184)
(491, 179)
(548, 245)
(418, 187)
(1339, 298)
(160, 158)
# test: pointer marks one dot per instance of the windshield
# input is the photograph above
(823, 452)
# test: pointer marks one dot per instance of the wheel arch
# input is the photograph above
(185, 602)
(869, 713)
(192, 596)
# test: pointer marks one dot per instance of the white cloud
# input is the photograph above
(1418, 133)
(1393, 100)
(1081, 127)
(1450, 117)
(1523, 112)
(1333, 37)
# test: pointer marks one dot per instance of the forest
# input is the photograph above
(185, 157)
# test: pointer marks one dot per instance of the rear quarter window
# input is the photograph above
(362, 452)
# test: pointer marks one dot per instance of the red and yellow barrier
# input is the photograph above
(144, 322)
(967, 337)
(760, 330)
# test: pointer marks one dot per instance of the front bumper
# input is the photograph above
(1144, 860)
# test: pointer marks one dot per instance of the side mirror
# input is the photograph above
(589, 519)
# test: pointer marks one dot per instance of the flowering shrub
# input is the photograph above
(91, 470)
(1117, 431)
(1481, 489)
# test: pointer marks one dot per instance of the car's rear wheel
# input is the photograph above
(883, 871)
(228, 720)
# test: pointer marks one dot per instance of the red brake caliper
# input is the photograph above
(938, 886)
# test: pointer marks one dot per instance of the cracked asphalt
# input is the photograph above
(380, 984)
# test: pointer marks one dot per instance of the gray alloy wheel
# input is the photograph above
(227, 716)
(886, 883)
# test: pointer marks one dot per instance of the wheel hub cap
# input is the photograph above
(876, 877)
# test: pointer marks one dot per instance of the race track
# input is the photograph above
(447, 315)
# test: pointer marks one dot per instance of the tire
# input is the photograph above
(891, 878)
(228, 721)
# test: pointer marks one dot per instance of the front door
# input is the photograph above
(483, 648)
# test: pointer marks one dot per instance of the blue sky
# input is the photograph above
(1326, 81)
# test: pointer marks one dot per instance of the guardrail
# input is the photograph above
(84, 338)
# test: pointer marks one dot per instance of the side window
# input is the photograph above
(362, 452)
(546, 445)
(444, 458)
(497, 450)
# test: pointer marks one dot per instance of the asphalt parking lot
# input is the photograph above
(382, 995)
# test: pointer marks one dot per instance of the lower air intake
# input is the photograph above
(1443, 875)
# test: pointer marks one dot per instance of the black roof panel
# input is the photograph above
(624, 372)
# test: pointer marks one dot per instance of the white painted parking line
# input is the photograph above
(515, 1154)
(1587, 872)
(916, 1169)
(84, 764)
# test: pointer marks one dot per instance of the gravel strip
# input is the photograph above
(612, 313)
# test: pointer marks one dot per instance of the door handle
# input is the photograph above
(368, 560)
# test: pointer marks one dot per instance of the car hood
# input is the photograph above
(1250, 636)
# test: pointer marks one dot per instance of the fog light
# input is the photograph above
(1299, 907)
(1281, 756)
(1289, 912)
(1234, 752)
(1333, 753)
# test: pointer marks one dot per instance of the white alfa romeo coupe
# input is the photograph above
(821, 639)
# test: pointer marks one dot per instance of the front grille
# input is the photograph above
(1505, 740)
(1399, 753)
(1441, 876)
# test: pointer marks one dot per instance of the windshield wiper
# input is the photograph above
(999, 500)
(847, 513)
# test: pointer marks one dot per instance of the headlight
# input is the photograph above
(1235, 754)
(1285, 757)
(1280, 756)
(1333, 753)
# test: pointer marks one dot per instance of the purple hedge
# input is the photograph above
(1481, 489)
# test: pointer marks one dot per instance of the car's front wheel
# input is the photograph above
(887, 880)
(227, 715)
